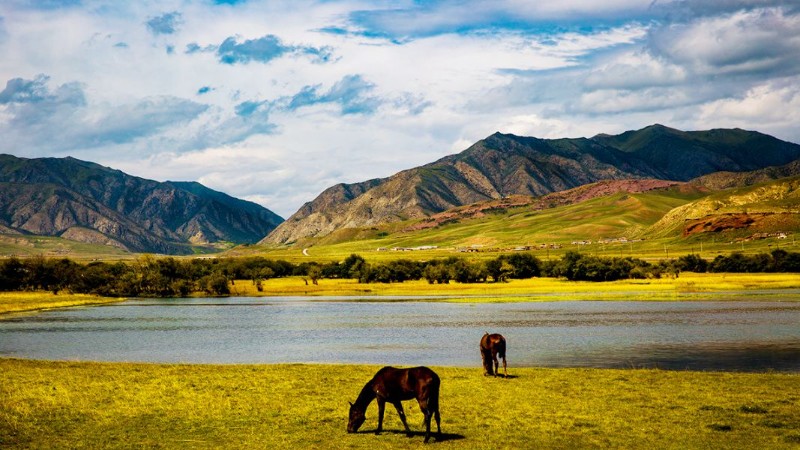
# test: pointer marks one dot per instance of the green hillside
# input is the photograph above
(621, 215)
(54, 247)
(645, 224)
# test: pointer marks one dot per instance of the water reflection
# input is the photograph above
(697, 335)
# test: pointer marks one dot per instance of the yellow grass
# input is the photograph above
(15, 302)
(120, 405)
(688, 286)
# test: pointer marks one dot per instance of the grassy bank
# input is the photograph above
(92, 405)
(688, 286)
(17, 302)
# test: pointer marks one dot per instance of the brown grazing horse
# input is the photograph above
(492, 346)
(395, 385)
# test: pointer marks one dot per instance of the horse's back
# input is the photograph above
(405, 384)
(420, 372)
(493, 340)
(423, 375)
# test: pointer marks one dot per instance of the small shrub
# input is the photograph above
(774, 424)
(710, 408)
(752, 409)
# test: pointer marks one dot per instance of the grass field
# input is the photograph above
(688, 286)
(707, 247)
(119, 405)
(16, 302)
(56, 247)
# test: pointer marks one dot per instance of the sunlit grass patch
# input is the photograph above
(13, 302)
(688, 286)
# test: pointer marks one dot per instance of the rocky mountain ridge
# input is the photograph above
(504, 165)
(84, 201)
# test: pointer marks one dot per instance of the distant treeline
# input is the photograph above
(148, 276)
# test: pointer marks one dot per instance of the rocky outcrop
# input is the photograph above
(83, 201)
(735, 208)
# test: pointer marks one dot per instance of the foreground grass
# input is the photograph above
(688, 286)
(16, 302)
(118, 405)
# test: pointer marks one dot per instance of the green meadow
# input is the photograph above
(119, 405)
(28, 245)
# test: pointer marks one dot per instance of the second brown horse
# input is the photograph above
(492, 346)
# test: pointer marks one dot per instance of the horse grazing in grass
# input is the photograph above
(395, 385)
(492, 346)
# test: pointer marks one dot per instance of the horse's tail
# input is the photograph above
(433, 401)
(501, 348)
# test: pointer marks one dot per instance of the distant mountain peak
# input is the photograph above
(505, 164)
(82, 200)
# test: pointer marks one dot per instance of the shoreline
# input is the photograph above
(688, 287)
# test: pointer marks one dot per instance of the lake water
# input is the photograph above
(741, 336)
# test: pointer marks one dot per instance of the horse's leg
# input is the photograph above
(505, 368)
(425, 407)
(438, 421)
(381, 408)
(487, 362)
(402, 414)
(427, 424)
(496, 363)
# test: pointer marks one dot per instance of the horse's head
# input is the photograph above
(357, 418)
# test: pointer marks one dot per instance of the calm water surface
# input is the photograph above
(691, 335)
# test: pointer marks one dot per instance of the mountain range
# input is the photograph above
(86, 202)
(504, 165)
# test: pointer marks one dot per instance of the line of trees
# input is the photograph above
(148, 276)
(580, 267)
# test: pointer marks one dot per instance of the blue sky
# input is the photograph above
(274, 101)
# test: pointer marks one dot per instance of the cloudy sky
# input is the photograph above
(274, 101)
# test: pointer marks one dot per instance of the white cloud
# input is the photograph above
(766, 107)
(745, 42)
(634, 70)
